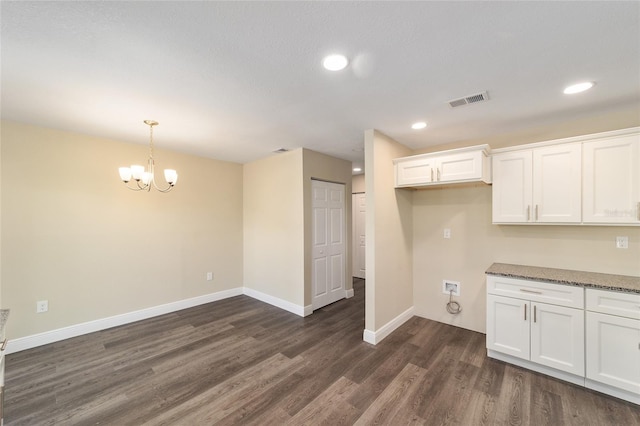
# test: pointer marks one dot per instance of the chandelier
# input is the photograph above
(144, 178)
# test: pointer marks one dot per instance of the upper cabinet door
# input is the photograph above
(460, 167)
(557, 179)
(415, 172)
(611, 180)
(512, 187)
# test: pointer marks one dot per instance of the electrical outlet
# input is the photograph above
(42, 306)
(448, 286)
(622, 242)
(209, 276)
(447, 233)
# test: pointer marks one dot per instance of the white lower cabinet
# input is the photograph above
(548, 335)
(557, 337)
(613, 343)
(587, 337)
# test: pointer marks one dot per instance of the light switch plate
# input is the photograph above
(447, 233)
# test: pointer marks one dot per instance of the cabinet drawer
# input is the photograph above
(536, 291)
(614, 303)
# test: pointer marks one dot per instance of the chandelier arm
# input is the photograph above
(134, 189)
(143, 187)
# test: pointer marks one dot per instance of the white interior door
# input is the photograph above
(329, 247)
(359, 214)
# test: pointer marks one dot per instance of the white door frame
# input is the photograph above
(358, 249)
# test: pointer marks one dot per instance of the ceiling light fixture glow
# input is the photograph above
(577, 88)
(144, 177)
(357, 169)
(335, 62)
(419, 125)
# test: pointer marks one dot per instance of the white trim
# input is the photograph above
(308, 310)
(302, 311)
(28, 342)
(375, 337)
(369, 336)
(349, 293)
(581, 138)
(610, 390)
(484, 148)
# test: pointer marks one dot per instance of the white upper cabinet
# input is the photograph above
(556, 184)
(539, 185)
(611, 180)
(445, 167)
(512, 187)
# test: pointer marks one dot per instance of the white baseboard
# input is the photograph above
(349, 293)
(302, 311)
(35, 340)
(610, 390)
(375, 337)
(28, 342)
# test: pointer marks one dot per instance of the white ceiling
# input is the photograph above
(238, 80)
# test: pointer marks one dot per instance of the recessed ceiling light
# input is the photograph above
(357, 169)
(419, 125)
(577, 88)
(335, 62)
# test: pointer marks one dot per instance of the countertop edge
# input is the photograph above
(595, 280)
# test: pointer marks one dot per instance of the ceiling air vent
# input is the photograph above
(280, 150)
(471, 99)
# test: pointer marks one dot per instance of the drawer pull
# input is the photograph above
(4, 345)
(528, 213)
(524, 290)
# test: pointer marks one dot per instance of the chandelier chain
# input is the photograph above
(151, 141)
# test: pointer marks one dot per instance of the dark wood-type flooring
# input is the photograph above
(241, 361)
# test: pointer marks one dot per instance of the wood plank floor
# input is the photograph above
(240, 361)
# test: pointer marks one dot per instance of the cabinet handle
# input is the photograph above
(525, 312)
(4, 345)
(536, 214)
(534, 313)
(438, 170)
(432, 174)
(524, 290)
(528, 213)
(638, 210)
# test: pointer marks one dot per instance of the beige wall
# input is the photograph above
(274, 250)
(358, 184)
(389, 229)
(475, 244)
(278, 221)
(331, 169)
(74, 235)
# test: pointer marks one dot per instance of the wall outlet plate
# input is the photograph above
(622, 242)
(448, 285)
(42, 306)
